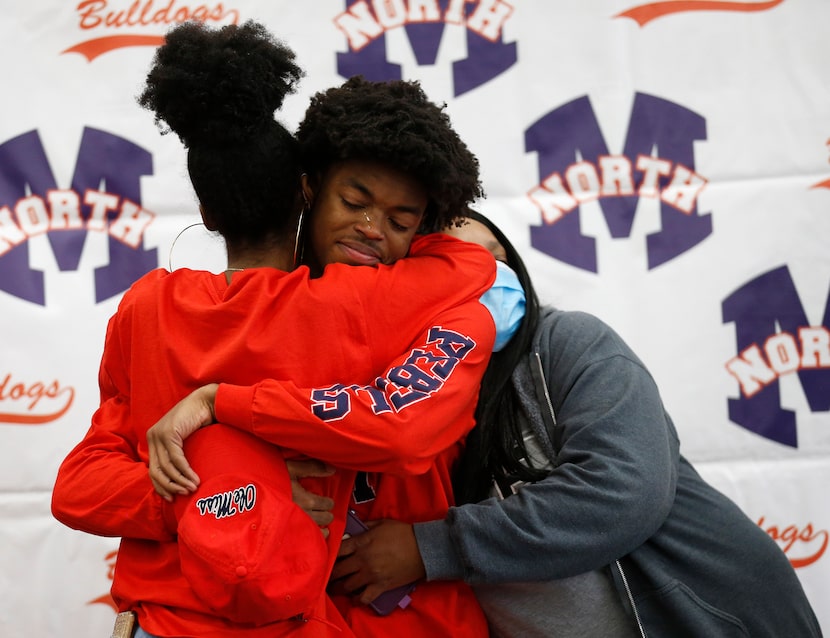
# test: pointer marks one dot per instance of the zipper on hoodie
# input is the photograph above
(544, 388)
(630, 598)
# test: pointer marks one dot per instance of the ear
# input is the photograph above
(207, 219)
(307, 190)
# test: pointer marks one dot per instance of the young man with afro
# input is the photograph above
(381, 165)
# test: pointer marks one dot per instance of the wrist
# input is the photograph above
(207, 394)
(438, 555)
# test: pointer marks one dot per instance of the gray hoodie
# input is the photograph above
(685, 560)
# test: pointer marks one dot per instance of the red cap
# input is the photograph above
(247, 550)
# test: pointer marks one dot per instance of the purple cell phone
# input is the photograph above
(390, 600)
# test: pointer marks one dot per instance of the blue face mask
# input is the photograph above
(506, 302)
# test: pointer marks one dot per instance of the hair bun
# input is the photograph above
(219, 86)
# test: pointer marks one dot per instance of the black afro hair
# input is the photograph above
(218, 89)
(393, 123)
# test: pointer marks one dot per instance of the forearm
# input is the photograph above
(103, 493)
(611, 488)
(522, 539)
(103, 487)
(423, 404)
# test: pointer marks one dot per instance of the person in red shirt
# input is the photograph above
(337, 189)
(411, 339)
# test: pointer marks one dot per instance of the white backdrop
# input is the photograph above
(663, 165)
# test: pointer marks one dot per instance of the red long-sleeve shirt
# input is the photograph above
(174, 332)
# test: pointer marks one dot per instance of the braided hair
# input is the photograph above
(496, 446)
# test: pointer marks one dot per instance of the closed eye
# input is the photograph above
(351, 205)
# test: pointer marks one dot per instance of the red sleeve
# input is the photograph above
(420, 406)
(400, 300)
(103, 486)
(430, 341)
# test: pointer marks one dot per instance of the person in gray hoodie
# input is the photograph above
(577, 514)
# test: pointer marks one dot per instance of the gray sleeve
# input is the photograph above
(437, 551)
(611, 489)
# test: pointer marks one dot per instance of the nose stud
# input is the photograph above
(366, 217)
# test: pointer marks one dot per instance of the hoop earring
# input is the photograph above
(298, 250)
(181, 232)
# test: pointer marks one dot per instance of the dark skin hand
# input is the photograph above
(382, 558)
(317, 507)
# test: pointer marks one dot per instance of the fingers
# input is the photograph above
(306, 468)
(379, 560)
(177, 469)
(166, 487)
(312, 503)
(161, 488)
(167, 479)
(371, 592)
(355, 582)
(168, 463)
(323, 505)
(344, 565)
(316, 506)
(347, 547)
(167, 454)
(323, 519)
(347, 576)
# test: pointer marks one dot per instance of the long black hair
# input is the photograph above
(496, 446)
